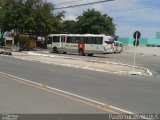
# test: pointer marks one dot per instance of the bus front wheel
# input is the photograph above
(55, 50)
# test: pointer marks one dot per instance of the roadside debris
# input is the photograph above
(5, 52)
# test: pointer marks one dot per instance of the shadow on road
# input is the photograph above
(94, 56)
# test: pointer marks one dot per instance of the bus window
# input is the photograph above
(74, 39)
(110, 41)
(89, 40)
(56, 38)
(81, 39)
(49, 40)
(98, 40)
(68, 39)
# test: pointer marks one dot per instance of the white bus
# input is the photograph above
(80, 43)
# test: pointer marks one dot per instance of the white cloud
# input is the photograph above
(129, 15)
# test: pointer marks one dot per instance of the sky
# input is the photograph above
(128, 15)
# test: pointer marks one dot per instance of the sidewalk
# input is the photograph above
(102, 66)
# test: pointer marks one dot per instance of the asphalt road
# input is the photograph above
(17, 97)
(134, 93)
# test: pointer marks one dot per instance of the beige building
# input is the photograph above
(9, 41)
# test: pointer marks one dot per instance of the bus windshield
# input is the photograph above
(109, 41)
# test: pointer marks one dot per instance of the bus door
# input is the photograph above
(62, 43)
(49, 43)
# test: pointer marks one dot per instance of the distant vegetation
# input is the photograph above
(91, 21)
(36, 18)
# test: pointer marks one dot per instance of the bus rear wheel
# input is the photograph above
(90, 54)
(64, 52)
(81, 52)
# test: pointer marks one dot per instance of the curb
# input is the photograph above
(96, 61)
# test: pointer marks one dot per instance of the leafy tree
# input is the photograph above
(69, 26)
(94, 22)
(33, 17)
(38, 16)
(58, 26)
(26, 16)
(4, 12)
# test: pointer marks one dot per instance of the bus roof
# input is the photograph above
(56, 34)
(82, 35)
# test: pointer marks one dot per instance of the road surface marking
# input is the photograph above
(43, 87)
(93, 103)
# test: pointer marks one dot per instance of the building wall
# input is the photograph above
(142, 41)
(129, 41)
(153, 41)
(124, 40)
(9, 41)
(158, 35)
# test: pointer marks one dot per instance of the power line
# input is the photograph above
(67, 2)
(118, 10)
(84, 4)
(130, 9)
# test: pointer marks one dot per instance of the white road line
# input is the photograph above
(68, 93)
